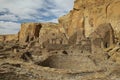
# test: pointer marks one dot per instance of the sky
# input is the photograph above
(15, 12)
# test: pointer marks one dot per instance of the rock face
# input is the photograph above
(29, 31)
(87, 15)
(82, 22)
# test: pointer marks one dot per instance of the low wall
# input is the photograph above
(73, 62)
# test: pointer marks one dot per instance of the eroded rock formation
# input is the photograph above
(29, 31)
(87, 15)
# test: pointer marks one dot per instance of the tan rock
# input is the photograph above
(116, 57)
(29, 31)
(105, 34)
(87, 15)
(9, 37)
(72, 22)
(2, 38)
(51, 34)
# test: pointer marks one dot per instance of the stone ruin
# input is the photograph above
(102, 37)
(82, 46)
(69, 49)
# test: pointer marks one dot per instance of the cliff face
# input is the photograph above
(29, 31)
(87, 15)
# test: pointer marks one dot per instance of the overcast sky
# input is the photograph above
(15, 12)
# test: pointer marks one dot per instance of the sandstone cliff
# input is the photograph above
(87, 15)
(82, 21)
(29, 31)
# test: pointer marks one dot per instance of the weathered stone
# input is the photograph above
(51, 34)
(105, 34)
(87, 15)
(9, 37)
(29, 32)
(116, 57)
